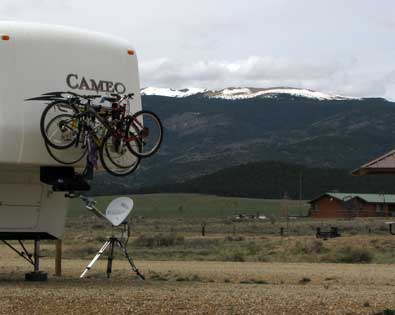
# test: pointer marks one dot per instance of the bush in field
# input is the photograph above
(309, 247)
(252, 248)
(159, 240)
(201, 243)
(235, 256)
(351, 255)
(231, 238)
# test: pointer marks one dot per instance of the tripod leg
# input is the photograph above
(101, 251)
(110, 258)
(125, 253)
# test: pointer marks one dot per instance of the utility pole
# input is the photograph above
(285, 209)
(300, 190)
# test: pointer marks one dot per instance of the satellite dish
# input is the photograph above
(118, 210)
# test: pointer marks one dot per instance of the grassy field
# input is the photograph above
(198, 206)
(238, 267)
(165, 226)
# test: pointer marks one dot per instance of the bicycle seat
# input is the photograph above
(97, 108)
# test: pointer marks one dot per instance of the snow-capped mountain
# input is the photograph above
(205, 131)
(242, 93)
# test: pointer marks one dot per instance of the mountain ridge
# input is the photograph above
(274, 180)
(236, 93)
(203, 135)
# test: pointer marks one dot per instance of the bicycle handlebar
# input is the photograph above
(117, 96)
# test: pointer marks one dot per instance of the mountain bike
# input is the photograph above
(82, 128)
(144, 127)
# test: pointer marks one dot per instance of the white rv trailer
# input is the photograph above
(35, 59)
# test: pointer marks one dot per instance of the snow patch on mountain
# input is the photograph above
(171, 92)
(235, 91)
(245, 93)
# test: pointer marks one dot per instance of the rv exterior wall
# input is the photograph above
(37, 59)
(42, 58)
(28, 206)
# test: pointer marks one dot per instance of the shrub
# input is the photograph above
(234, 238)
(309, 247)
(159, 240)
(262, 258)
(157, 277)
(304, 280)
(253, 281)
(201, 242)
(235, 256)
(352, 255)
(251, 248)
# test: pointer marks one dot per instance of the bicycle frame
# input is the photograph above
(114, 120)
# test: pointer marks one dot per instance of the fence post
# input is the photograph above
(203, 228)
(58, 258)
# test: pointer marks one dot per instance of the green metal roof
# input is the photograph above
(370, 198)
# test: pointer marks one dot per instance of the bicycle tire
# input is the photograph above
(71, 108)
(62, 161)
(113, 166)
(142, 119)
(53, 151)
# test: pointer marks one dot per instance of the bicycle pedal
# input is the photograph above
(88, 172)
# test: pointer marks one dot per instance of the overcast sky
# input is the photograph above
(339, 46)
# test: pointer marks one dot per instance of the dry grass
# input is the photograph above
(279, 275)
(199, 288)
(165, 246)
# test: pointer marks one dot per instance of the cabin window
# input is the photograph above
(391, 210)
(379, 208)
(315, 207)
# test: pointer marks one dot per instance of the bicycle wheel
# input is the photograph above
(71, 156)
(146, 129)
(63, 134)
(115, 156)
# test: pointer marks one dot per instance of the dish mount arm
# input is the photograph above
(90, 204)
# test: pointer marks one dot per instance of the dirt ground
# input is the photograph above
(176, 287)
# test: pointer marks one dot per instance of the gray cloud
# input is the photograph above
(255, 71)
(336, 46)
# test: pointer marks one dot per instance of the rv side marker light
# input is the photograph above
(130, 52)
(5, 37)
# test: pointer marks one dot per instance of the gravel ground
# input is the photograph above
(198, 288)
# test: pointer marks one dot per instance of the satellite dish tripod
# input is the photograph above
(117, 218)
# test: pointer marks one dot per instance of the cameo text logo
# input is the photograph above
(76, 82)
